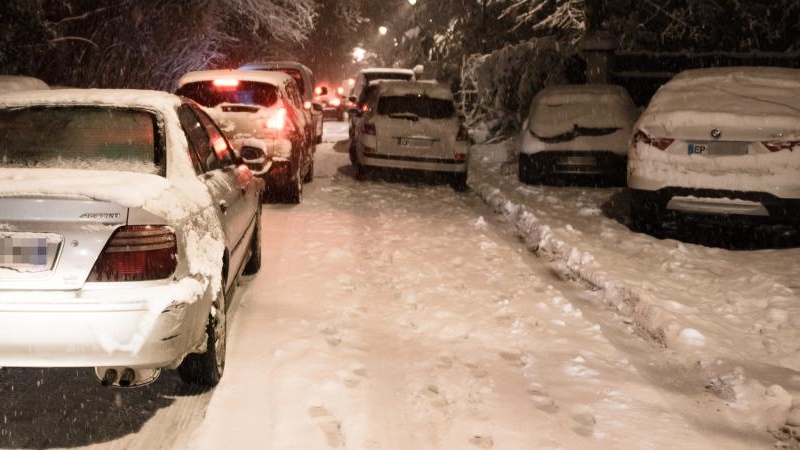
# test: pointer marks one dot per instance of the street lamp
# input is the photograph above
(382, 30)
(412, 2)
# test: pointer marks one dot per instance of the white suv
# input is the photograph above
(720, 141)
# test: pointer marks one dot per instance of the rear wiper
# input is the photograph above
(575, 132)
(405, 115)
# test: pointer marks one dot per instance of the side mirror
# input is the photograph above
(352, 99)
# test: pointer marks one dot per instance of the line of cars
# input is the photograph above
(128, 217)
(713, 142)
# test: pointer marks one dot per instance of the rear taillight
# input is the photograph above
(659, 143)
(776, 146)
(220, 146)
(226, 82)
(463, 134)
(277, 120)
(458, 156)
(369, 128)
(335, 102)
(137, 253)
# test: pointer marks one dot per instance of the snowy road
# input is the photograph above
(392, 316)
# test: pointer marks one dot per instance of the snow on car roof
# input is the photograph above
(435, 90)
(581, 93)
(13, 83)
(387, 70)
(764, 98)
(116, 97)
(275, 78)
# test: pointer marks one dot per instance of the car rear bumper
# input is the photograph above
(143, 327)
(415, 163)
(759, 206)
(588, 163)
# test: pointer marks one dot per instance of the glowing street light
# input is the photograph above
(382, 30)
(359, 54)
(412, 2)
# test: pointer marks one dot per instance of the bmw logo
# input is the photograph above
(716, 133)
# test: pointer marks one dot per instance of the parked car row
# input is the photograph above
(714, 142)
(126, 227)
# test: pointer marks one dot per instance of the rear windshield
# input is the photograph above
(245, 93)
(427, 107)
(81, 137)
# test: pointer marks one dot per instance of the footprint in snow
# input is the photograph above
(542, 400)
(330, 426)
(583, 422)
(332, 335)
(352, 378)
(482, 441)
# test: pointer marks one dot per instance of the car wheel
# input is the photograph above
(294, 191)
(310, 173)
(205, 369)
(254, 263)
(526, 171)
(645, 213)
(459, 182)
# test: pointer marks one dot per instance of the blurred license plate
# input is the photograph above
(414, 142)
(27, 251)
(578, 161)
(717, 148)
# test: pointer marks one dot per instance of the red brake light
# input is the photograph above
(318, 90)
(226, 82)
(220, 146)
(776, 146)
(369, 128)
(335, 102)
(277, 120)
(458, 156)
(137, 253)
(659, 143)
(463, 134)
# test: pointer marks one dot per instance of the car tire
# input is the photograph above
(310, 172)
(646, 215)
(459, 183)
(526, 170)
(206, 369)
(294, 190)
(352, 152)
(254, 263)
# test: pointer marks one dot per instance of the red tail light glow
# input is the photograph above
(318, 90)
(226, 82)
(220, 146)
(463, 134)
(659, 143)
(340, 90)
(776, 146)
(458, 156)
(369, 128)
(137, 253)
(306, 104)
(278, 120)
(335, 102)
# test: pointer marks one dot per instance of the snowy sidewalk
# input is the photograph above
(729, 318)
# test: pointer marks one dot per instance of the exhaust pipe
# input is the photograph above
(127, 378)
(109, 377)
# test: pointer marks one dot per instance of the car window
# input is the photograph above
(82, 137)
(210, 93)
(200, 143)
(427, 107)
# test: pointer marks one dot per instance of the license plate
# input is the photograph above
(28, 252)
(578, 161)
(718, 148)
(411, 142)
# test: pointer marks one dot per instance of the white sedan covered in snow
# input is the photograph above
(578, 132)
(723, 142)
(124, 225)
(411, 125)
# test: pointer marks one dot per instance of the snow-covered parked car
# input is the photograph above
(260, 105)
(15, 83)
(723, 142)
(411, 125)
(125, 223)
(578, 132)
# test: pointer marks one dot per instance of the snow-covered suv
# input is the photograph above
(719, 141)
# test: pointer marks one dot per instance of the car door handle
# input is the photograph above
(223, 206)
